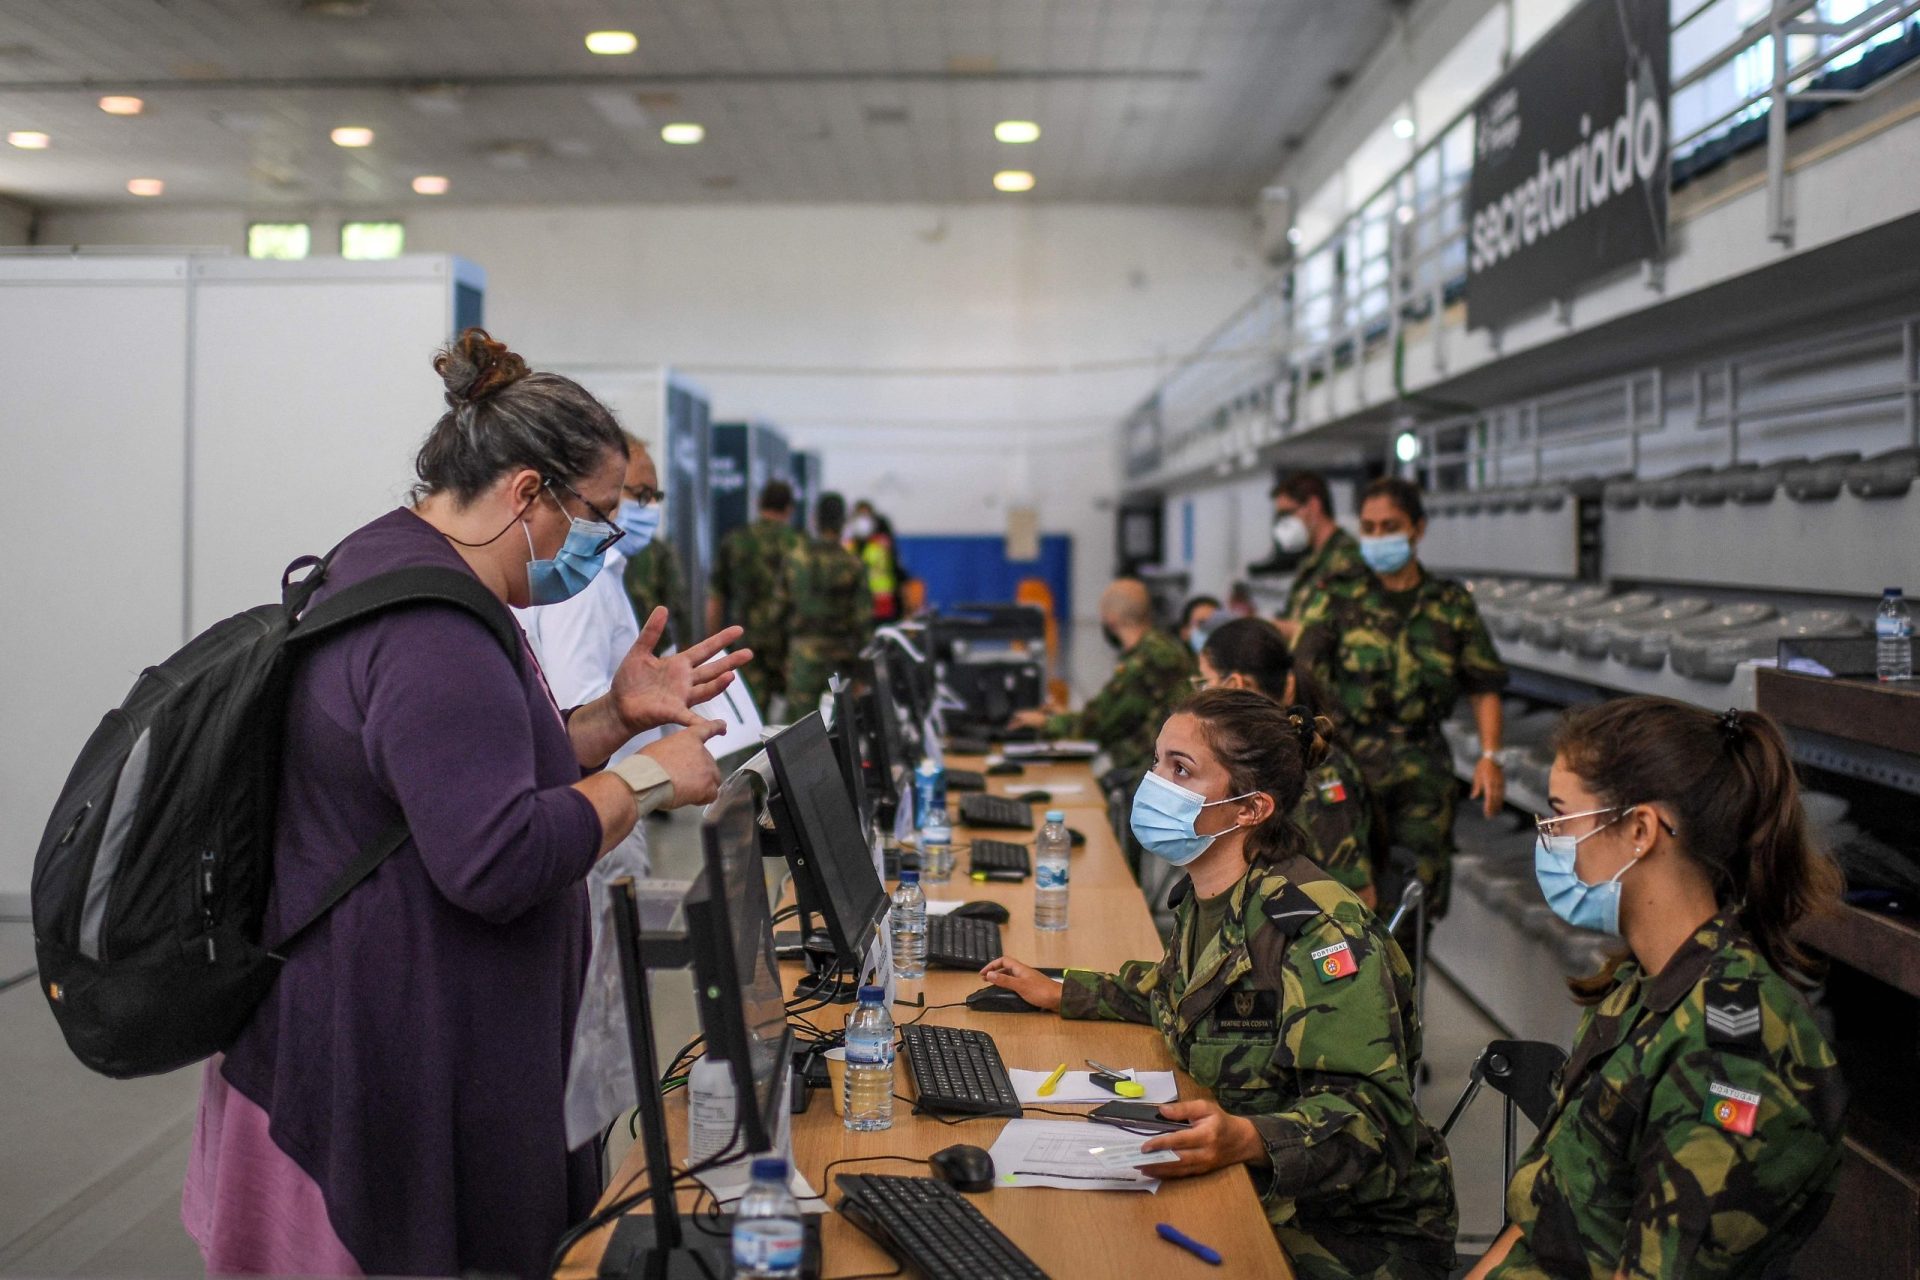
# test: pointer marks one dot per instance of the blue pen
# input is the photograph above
(1188, 1243)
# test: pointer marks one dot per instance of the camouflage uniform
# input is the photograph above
(652, 579)
(1394, 671)
(1338, 557)
(1698, 1128)
(1126, 715)
(827, 612)
(746, 580)
(1336, 813)
(1299, 1015)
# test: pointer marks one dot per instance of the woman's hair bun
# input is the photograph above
(1314, 733)
(474, 366)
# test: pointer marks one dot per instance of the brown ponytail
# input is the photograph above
(1729, 782)
(1263, 747)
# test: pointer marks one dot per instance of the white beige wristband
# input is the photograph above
(648, 778)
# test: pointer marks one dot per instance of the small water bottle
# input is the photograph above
(936, 846)
(909, 922)
(929, 790)
(711, 1102)
(1050, 872)
(868, 1104)
(769, 1236)
(1893, 629)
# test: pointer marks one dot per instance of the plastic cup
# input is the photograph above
(837, 1078)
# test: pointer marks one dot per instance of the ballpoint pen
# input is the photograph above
(1174, 1236)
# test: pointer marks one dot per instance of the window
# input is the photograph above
(282, 240)
(370, 240)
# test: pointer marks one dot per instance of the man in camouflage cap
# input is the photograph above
(1154, 674)
(824, 605)
(652, 575)
(745, 589)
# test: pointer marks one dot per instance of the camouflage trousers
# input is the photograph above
(809, 668)
(1413, 783)
(1328, 1256)
(766, 675)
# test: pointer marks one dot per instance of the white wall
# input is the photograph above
(16, 222)
(945, 362)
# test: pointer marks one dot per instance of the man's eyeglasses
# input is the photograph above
(645, 495)
(606, 543)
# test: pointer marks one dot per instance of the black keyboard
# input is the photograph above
(932, 1228)
(1000, 855)
(958, 1071)
(996, 811)
(966, 780)
(959, 942)
(962, 746)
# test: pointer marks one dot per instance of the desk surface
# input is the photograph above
(1069, 1234)
(1070, 783)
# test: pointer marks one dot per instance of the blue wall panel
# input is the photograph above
(969, 568)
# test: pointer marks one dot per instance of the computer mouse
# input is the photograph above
(981, 911)
(1076, 836)
(1036, 796)
(964, 1167)
(999, 1000)
(1005, 769)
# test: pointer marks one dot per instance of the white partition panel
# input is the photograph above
(93, 414)
(1537, 543)
(1844, 546)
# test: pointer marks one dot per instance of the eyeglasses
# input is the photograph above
(606, 543)
(1541, 822)
(645, 495)
(1199, 682)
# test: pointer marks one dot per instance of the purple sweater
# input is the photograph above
(412, 1056)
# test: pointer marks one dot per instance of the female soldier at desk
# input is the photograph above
(1698, 1126)
(1281, 994)
(1336, 811)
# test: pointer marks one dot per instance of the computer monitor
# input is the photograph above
(896, 756)
(736, 978)
(849, 750)
(824, 842)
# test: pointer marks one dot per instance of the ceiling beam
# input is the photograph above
(663, 80)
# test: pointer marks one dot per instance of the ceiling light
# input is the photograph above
(1017, 131)
(683, 134)
(146, 186)
(352, 135)
(612, 43)
(115, 105)
(1407, 446)
(430, 184)
(1404, 213)
(29, 140)
(1013, 180)
(1403, 127)
(1295, 235)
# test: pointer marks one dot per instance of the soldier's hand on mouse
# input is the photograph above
(1031, 985)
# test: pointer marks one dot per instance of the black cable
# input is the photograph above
(826, 1178)
(935, 1115)
(1048, 1111)
(927, 1009)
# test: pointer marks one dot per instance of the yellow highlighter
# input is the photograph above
(1118, 1082)
(1046, 1089)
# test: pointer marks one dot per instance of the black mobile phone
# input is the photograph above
(1135, 1115)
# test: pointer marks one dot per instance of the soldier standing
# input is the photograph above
(747, 576)
(824, 605)
(652, 576)
(1396, 648)
(1281, 994)
(1303, 522)
(1699, 1120)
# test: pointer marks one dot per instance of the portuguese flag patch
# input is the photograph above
(1731, 1109)
(1334, 962)
(1333, 791)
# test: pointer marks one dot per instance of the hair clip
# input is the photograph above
(1730, 723)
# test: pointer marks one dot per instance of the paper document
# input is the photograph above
(944, 906)
(1062, 747)
(1127, 1154)
(1078, 1086)
(734, 705)
(1059, 1153)
(728, 1182)
(1051, 788)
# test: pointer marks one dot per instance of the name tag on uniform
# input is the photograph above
(1333, 791)
(1731, 1109)
(1247, 1013)
(1335, 962)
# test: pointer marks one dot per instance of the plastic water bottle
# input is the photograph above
(711, 1102)
(1893, 628)
(769, 1236)
(936, 847)
(909, 919)
(1051, 873)
(869, 1089)
(929, 790)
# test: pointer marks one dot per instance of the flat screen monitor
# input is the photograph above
(848, 748)
(736, 978)
(829, 851)
(898, 754)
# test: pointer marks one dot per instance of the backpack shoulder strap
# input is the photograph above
(421, 584)
(368, 861)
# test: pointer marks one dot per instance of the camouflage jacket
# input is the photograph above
(1126, 715)
(1392, 674)
(1299, 1015)
(1338, 557)
(747, 575)
(652, 579)
(823, 600)
(1698, 1128)
(1336, 813)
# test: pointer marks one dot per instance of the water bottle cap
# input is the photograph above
(1890, 591)
(909, 876)
(1056, 815)
(769, 1169)
(929, 768)
(873, 995)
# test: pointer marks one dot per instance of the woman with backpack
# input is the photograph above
(395, 1104)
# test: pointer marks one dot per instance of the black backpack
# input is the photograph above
(151, 880)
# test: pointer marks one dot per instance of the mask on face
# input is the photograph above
(569, 572)
(1197, 638)
(640, 523)
(860, 528)
(1163, 816)
(1290, 534)
(1582, 905)
(1387, 555)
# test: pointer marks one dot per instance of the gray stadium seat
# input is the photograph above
(1751, 488)
(1667, 491)
(1646, 646)
(1886, 475)
(1541, 626)
(1713, 488)
(1820, 480)
(1560, 631)
(1503, 616)
(1713, 656)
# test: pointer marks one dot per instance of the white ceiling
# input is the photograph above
(1186, 101)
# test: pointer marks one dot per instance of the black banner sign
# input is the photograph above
(1570, 161)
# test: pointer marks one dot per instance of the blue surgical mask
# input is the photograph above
(1163, 816)
(641, 522)
(1388, 554)
(1582, 905)
(568, 573)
